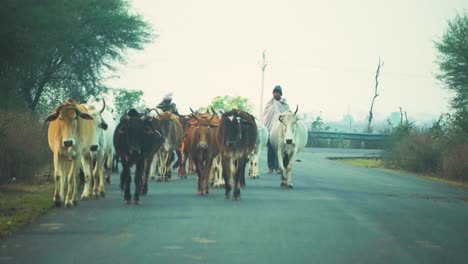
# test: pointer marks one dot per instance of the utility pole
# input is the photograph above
(262, 65)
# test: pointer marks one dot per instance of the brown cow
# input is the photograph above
(237, 138)
(182, 152)
(202, 145)
(70, 136)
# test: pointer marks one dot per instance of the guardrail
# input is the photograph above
(346, 135)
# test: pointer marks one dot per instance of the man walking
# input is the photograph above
(273, 107)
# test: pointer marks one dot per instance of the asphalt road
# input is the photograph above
(336, 213)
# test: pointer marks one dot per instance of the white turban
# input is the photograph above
(168, 97)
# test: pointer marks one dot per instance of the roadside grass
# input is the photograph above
(22, 203)
(377, 163)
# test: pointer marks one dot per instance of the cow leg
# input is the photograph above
(256, 159)
(288, 160)
(58, 179)
(72, 184)
(85, 165)
(241, 164)
(228, 167)
(109, 167)
(199, 169)
(125, 179)
(144, 185)
(167, 166)
(281, 167)
(137, 180)
(153, 165)
(191, 168)
(98, 175)
(181, 171)
(239, 177)
(206, 177)
(160, 165)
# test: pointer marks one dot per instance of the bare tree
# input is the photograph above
(263, 64)
(371, 115)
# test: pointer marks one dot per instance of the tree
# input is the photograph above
(227, 103)
(56, 48)
(371, 114)
(452, 59)
(127, 99)
(319, 125)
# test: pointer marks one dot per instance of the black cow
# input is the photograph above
(136, 140)
(237, 138)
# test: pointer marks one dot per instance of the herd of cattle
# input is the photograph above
(217, 146)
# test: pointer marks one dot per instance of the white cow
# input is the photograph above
(262, 139)
(95, 158)
(109, 152)
(288, 136)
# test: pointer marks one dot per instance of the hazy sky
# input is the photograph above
(323, 53)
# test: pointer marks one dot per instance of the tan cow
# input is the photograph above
(70, 137)
(202, 145)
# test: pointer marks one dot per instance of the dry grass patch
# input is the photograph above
(377, 163)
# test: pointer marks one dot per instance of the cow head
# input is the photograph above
(67, 117)
(289, 123)
(135, 134)
(232, 129)
(99, 125)
(205, 125)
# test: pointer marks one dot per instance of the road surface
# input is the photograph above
(336, 213)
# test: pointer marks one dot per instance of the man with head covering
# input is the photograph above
(274, 106)
(168, 105)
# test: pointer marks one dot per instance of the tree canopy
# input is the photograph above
(53, 49)
(124, 100)
(227, 103)
(453, 61)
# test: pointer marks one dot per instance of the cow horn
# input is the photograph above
(103, 105)
(214, 112)
(297, 108)
(151, 109)
(194, 114)
(280, 118)
(212, 116)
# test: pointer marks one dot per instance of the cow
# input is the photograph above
(201, 145)
(109, 151)
(171, 130)
(136, 140)
(95, 158)
(70, 137)
(183, 154)
(262, 139)
(237, 137)
(288, 136)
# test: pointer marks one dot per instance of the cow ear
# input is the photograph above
(51, 117)
(86, 116)
(104, 126)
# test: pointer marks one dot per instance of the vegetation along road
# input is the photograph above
(336, 213)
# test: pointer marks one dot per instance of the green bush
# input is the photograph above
(23, 144)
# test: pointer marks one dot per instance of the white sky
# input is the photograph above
(323, 53)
